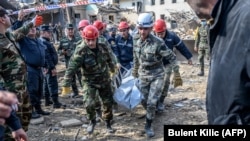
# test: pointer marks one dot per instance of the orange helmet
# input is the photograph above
(160, 25)
(98, 24)
(123, 25)
(83, 23)
(90, 32)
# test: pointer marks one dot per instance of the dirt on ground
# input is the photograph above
(185, 105)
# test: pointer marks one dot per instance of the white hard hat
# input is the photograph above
(145, 20)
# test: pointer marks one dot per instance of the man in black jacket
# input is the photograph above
(50, 85)
(228, 86)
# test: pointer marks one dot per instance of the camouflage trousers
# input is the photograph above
(166, 84)
(92, 96)
(24, 114)
(75, 78)
(151, 88)
(202, 53)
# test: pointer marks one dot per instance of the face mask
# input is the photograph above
(113, 35)
(203, 23)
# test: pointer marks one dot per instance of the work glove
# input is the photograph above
(37, 21)
(66, 91)
(177, 81)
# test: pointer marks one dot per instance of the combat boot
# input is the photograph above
(57, 104)
(91, 126)
(149, 131)
(48, 102)
(40, 111)
(201, 73)
(160, 104)
(108, 126)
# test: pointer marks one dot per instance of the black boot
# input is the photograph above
(34, 114)
(149, 131)
(201, 73)
(91, 126)
(48, 102)
(40, 111)
(108, 126)
(160, 104)
(57, 104)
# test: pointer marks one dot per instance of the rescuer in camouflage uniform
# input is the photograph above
(66, 47)
(201, 45)
(148, 54)
(101, 39)
(13, 68)
(95, 61)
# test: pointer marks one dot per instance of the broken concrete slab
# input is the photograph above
(70, 123)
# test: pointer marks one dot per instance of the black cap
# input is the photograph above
(69, 25)
(2, 11)
(46, 28)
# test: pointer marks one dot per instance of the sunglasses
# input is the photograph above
(143, 28)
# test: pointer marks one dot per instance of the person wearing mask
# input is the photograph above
(67, 47)
(201, 45)
(95, 61)
(148, 54)
(112, 36)
(172, 41)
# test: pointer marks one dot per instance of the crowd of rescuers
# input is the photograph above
(91, 59)
(23, 68)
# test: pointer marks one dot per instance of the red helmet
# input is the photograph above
(160, 25)
(83, 23)
(90, 32)
(123, 25)
(98, 24)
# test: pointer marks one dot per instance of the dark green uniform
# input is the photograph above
(201, 43)
(95, 65)
(69, 46)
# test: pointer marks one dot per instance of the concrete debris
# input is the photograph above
(183, 23)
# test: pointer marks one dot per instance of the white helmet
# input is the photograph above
(145, 20)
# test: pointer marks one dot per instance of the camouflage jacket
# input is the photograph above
(68, 45)
(148, 56)
(95, 64)
(13, 71)
(103, 40)
(202, 37)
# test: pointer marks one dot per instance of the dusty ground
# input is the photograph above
(184, 105)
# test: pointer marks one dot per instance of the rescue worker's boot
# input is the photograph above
(201, 73)
(34, 114)
(149, 131)
(40, 111)
(48, 102)
(91, 126)
(108, 126)
(98, 115)
(160, 104)
(57, 104)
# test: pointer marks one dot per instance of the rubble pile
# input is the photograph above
(186, 23)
